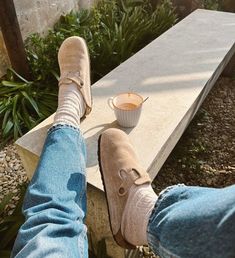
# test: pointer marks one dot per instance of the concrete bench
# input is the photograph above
(176, 71)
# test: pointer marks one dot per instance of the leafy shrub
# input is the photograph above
(23, 104)
(211, 4)
(220, 5)
(114, 31)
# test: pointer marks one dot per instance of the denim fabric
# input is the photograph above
(190, 222)
(55, 202)
(186, 222)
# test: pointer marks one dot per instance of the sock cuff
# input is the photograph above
(71, 105)
(135, 218)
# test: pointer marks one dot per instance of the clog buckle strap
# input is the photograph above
(72, 77)
(130, 176)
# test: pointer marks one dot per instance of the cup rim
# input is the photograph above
(131, 92)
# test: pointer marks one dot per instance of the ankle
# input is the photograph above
(135, 218)
(71, 106)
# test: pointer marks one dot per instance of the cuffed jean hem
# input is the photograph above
(61, 126)
(192, 222)
(152, 241)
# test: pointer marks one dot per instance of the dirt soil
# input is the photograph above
(205, 154)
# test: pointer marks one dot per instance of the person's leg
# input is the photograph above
(193, 222)
(182, 222)
(55, 201)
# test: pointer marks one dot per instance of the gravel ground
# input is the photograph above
(205, 154)
(12, 175)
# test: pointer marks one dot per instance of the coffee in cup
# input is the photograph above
(127, 108)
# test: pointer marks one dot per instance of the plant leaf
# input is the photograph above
(7, 128)
(19, 76)
(32, 102)
(12, 84)
(56, 75)
(5, 118)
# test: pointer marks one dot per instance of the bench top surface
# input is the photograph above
(172, 71)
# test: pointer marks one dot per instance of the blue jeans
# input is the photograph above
(193, 222)
(55, 201)
(186, 221)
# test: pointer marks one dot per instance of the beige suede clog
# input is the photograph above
(120, 170)
(74, 62)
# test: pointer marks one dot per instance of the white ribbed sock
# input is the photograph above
(71, 105)
(135, 218)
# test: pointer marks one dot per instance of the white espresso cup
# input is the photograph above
(127, 108)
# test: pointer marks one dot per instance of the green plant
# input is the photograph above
(114, 31)
(23, 104)
(10, 225)
(211, 4)
(133, 25)
(221, 5)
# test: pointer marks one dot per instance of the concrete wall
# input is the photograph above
(38, 16)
